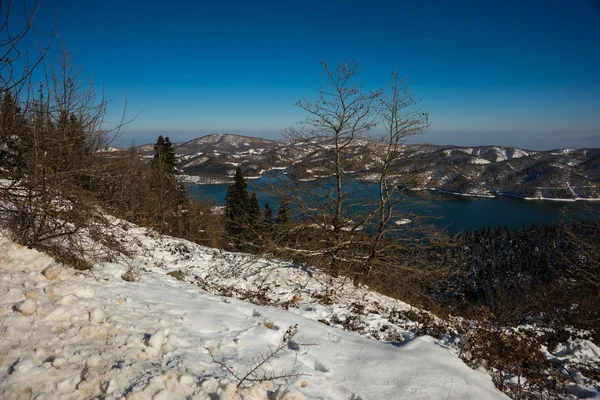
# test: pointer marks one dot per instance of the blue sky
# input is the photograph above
(522, 73)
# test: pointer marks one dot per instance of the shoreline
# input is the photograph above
(572, 200)
(483, 196)
(202, 180)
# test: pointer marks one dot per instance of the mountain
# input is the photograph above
(479, 171)
(225, 143)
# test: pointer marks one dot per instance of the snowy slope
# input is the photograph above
(81, 336)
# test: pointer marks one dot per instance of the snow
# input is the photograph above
(52, 272)
(97, 335)
(478, 160)
(196, 161)
(109, 149)
(548, 198)
(205, 180)
(561, 152)
(472, 194)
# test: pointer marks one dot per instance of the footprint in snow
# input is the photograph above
(319, 366)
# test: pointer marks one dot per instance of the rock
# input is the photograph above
(176, 274)
(130, 276)
(52, 272)
(32, 294)
(26, 307)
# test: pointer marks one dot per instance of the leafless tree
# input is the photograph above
(347, 128)
(342, 115)
(18, 63)
(49, 137)
(401, 119)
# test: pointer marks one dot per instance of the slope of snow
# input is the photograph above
(81, 336)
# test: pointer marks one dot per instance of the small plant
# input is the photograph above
(514, 360)
(257, 372)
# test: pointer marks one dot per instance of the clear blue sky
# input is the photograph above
(508, 72)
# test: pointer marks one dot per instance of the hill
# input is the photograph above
(76, 336)
(566, 174)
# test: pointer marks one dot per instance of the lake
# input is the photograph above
(456, 213)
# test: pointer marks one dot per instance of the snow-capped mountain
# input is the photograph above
(481, 171)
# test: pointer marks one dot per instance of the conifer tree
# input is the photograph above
(164, 155)
(283, 214)
(237, 202)
(267, 218)
(254, 210)
(168, 190)
(13, 129)
(169, 156)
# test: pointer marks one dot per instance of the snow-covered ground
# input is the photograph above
(205, 180)
(95, 335)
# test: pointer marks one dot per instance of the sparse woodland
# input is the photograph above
(57, 183)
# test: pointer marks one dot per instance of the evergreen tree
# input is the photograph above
(164, 155)
(267, 218)
(158, 149)
(13, 129)
(168, 191)
(237, 203)
(169, 154)
(254, 210)
(283, 214)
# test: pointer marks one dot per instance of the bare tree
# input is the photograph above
(50, 135)
(337, 121)
(351, 133)
(342, 115)
(401, 119)
(18, 23)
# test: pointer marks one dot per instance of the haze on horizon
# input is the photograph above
(512, 73)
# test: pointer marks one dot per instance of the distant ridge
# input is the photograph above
(566, 174)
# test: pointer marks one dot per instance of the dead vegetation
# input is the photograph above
(259, 370)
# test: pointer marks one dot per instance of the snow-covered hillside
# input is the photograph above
(65, 335)
(564, 174)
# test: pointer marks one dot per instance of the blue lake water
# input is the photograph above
(456, 213)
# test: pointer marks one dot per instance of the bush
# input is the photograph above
(515, 361)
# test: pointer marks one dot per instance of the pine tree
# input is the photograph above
(254, 210)
(13, 129)
(168, 190)
(164, 155)
(237, 203)
(283, 214)
(158, 150)
(267, 218)
(169, 156)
